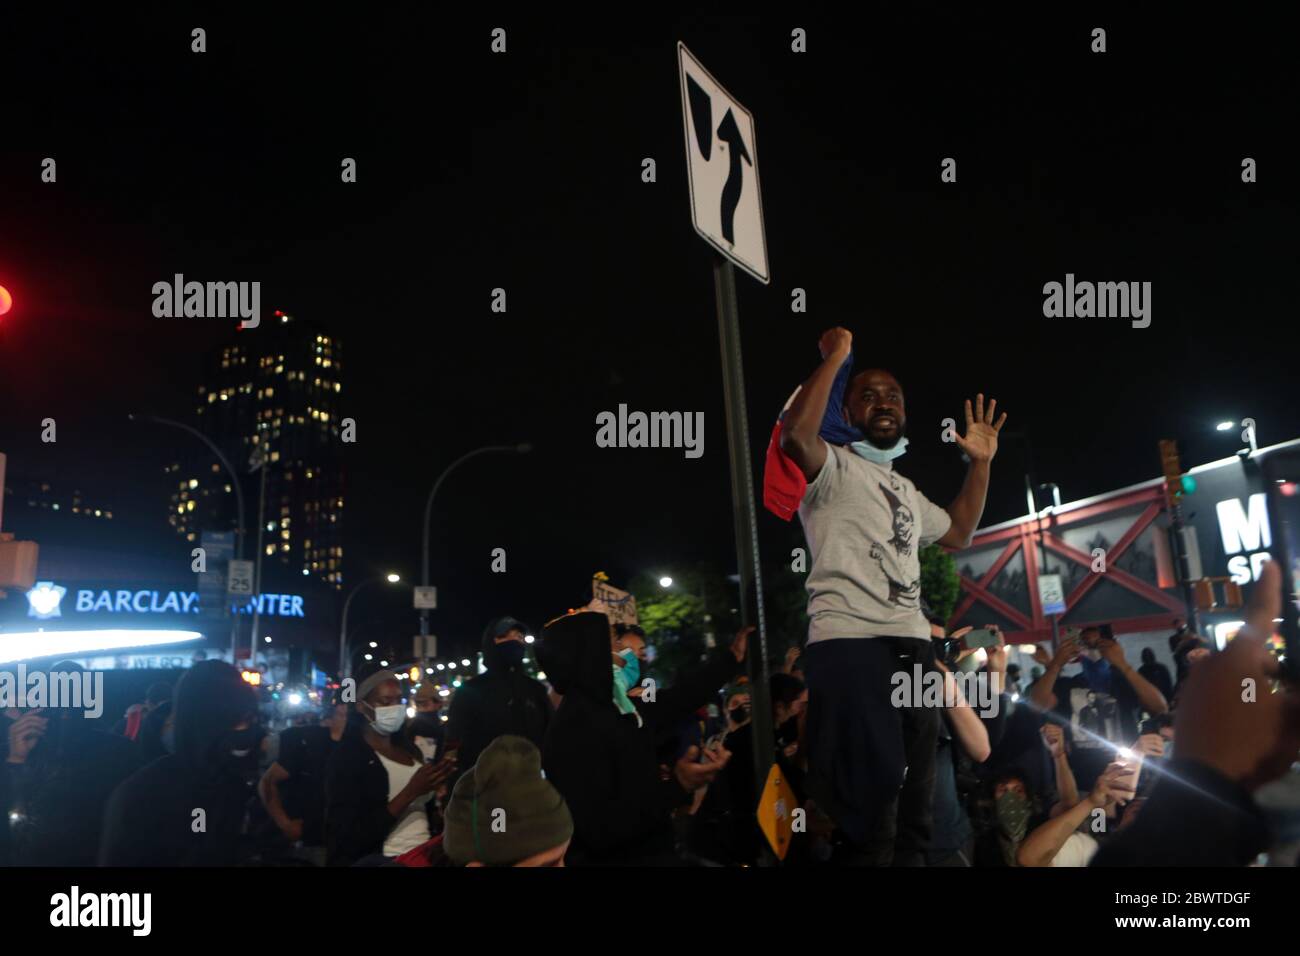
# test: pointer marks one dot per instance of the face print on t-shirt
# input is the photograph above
(903, 523)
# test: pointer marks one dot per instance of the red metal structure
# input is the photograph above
(1136, 591)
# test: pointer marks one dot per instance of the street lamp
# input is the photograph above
(239, 502)
(665, 582)
(428, 512)
(344, 663)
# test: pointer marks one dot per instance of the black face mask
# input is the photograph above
(739, 714)
(425, 725)
(509, 654)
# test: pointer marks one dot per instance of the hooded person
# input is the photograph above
(153, 818)
(503, 699)
(502, 812)
(157, 736)
(56, 776)
(604, 760)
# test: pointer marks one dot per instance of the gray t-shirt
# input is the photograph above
(865, 524)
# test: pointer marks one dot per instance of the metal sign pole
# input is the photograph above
(746, 524)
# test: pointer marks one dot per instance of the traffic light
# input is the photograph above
(1177, 484)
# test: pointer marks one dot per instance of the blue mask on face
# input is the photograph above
(632, 671)
(881, 456)
(1096, 674)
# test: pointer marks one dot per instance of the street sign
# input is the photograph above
(239, 578)
(219, 549)
(426, 645)
(1051, 594)
(722, 168)
(426, 599)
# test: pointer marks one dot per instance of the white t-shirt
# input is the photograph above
(1078, 850)
(865, 525)
(412, 828)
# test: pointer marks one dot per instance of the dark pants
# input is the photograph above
(871, 765)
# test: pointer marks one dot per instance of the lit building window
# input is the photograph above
(270, 549)
(194, 482)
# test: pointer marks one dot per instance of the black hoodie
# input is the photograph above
(601, 760)
(151, 818)
(502, 700)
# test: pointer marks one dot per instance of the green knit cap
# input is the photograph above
(503, 810)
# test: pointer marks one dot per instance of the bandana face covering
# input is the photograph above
(1013, 817)
(881, 456)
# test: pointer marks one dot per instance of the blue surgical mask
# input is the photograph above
(388, 720)
(881, 456)
(632, 671)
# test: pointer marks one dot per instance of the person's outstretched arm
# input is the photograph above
(1042, 845)
(1148, 696)
(980, 445)
(800, 438)
(1201, 812)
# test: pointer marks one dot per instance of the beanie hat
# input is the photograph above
(503, 810)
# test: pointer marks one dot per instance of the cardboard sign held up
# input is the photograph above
(619, 606)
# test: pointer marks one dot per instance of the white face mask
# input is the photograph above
(388, 720)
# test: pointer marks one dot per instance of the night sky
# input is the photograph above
(522, 171)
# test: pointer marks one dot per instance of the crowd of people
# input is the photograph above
(1087, 760)
(599, 765)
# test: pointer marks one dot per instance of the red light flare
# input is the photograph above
(6, 300)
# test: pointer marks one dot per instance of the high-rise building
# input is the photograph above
(46, 509)
(275, 389)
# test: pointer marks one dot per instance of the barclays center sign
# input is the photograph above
(49, 600)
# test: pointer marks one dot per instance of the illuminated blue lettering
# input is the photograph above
(105, 600)
(135, 604)
(297, 607)
(85, 600)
